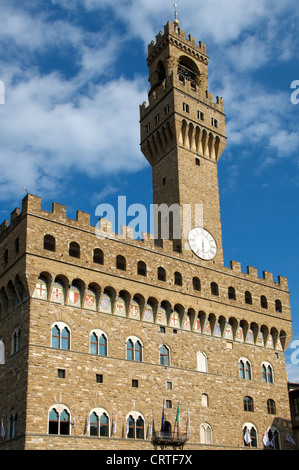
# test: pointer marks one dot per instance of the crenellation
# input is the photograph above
(83, 218)
(268, 277)
(14, 215)
(235, 266)
(59, 211)
(4, 226)
(251, 271)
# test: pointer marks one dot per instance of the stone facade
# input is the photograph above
(85, 333)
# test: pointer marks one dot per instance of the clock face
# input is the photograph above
(202, 243)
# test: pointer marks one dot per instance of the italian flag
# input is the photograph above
(177, 419)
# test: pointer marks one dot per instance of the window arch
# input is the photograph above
(245, 369)
(248, 298)
(164, 355)
(59, 420)
(214, 288)
(206, 436)
(202, 362)
(267, 373)
(161, 274)
(264, 302)
(16, 340)
(99, 423)
(231, 293)
(134, 349)
(250, 435)
(98, 343)
(141, 268)
(278, 306)
(178, 280)
(196, 283)
(271, 407)
(49, 243)
(60, 336)
(13, 425)
(121, 263)
(248, 403)
(98, 256)
(135, 425)
(74, 250)
(274, 438)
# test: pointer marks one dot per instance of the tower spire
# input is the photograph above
(176, 21)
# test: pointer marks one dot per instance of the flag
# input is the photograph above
(188, 422)
(266, 441)
(127, 426)
(163, 420)
(2, 429)
(115, 425)
(247, 437)
(290, 439)
(177, 419)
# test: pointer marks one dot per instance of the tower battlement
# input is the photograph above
(31, 205)
(178, 34)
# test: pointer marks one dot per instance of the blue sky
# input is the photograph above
(75, 73)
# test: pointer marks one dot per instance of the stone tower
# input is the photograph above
(182, 137)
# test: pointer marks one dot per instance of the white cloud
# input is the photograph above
(52, 129)
(54, 125)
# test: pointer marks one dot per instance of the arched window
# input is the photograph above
(206, 436)
(264, 302)
(204, 400)
(141, 268)
(13, 425)
(271, 407)
(98, 256)
(59, 421)
(134, 349)
(161, 274)
(178, 280)
(74, 250)
(244, 369)
(278, 306)
(214, 288)
(99, 424)
(273, 436)
(16, 341)
(196, 283)
(231, 293)
(248, 404)
(164, 356)
(121, 263)
(248, 298)
(98, 343)
(202, 362)
(60, 336)
(267, 373)
(135, 427)
(250, 435)
(49, 243)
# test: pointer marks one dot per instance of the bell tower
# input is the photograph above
(183, 136)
